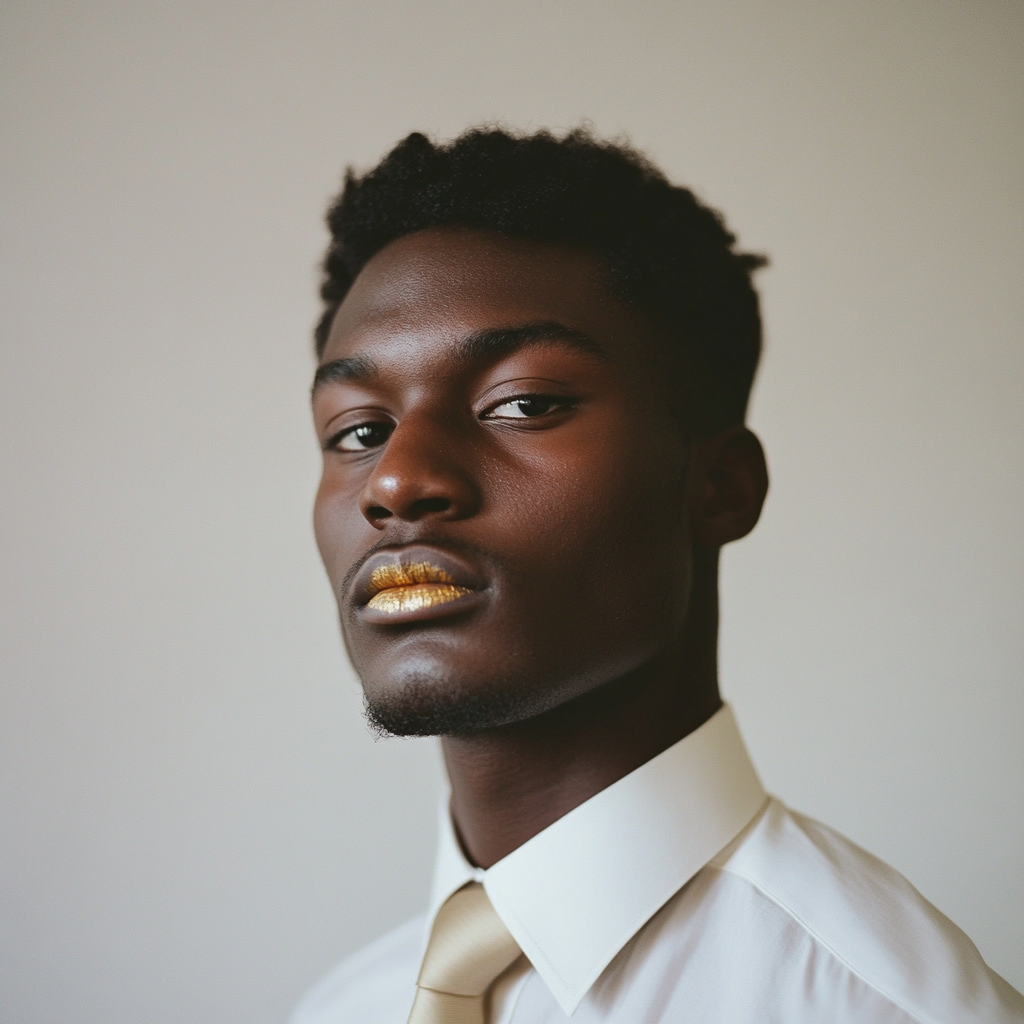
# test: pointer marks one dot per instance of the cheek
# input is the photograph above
(323, 505)
(618, 489)
(604, 540)
(337, 525)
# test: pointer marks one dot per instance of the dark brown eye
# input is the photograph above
(525, 407)
(364, 436)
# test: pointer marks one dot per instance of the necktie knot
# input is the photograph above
(469, 948)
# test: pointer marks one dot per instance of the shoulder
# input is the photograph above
(871, 920)
(375, 985)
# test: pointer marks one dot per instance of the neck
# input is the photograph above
(510, 783)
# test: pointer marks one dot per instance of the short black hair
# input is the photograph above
(667, 253)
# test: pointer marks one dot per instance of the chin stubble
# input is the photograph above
(427, 707)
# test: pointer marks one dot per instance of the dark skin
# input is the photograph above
(488, 405)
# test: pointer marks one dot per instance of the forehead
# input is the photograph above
(451, 282)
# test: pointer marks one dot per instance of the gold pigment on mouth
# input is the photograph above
(407, 588)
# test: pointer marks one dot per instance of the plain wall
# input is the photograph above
(195, 821)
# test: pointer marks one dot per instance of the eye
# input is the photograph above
(362, 437)
(525, 407)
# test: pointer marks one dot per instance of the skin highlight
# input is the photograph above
(487, 407)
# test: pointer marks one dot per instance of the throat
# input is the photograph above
(512, 782)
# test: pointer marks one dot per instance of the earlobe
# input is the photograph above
(734, 485)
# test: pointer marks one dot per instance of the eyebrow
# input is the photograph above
(498, 342)
(486, 345)
(353, 369)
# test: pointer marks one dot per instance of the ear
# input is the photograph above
(731, 482)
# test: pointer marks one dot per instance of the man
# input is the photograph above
(535, 361)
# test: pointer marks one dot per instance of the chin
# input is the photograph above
(428, 703)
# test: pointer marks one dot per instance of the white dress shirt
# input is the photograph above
(684, 893)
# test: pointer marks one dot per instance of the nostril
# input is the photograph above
(378, 512)
(426, 505)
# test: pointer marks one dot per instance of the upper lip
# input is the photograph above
(429, 564)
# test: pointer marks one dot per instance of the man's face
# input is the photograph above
(503, 509)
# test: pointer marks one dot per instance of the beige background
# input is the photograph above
(195, 822)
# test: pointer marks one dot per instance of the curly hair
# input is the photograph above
(666, 253)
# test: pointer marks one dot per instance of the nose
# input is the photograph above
(422, 473)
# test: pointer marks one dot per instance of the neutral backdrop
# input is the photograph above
(195, 821)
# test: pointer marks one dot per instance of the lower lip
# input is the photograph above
(403, 608)
(414, 598)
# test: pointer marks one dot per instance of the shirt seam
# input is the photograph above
(827, 945)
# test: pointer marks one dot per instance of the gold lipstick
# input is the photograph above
(407, 588)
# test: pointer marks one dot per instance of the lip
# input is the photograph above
(415, 584)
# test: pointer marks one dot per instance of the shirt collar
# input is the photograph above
(577, 892)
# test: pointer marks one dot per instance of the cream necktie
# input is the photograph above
(469, 947)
